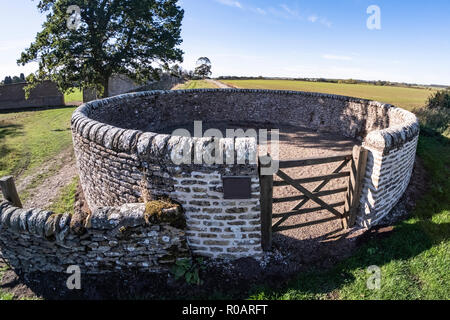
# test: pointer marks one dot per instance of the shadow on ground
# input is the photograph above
(10, 129)
(236, 279)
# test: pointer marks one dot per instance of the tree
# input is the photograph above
(22, 77)
(8, 80)
(203, 67)
(176, 71)
(86, 42)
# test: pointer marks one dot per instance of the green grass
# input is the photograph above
(75, 96)
(66, 198)
(29, 139)
(4, 295)
(407, 98)
(196, 84)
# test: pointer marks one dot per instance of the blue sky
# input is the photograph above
(289, 38)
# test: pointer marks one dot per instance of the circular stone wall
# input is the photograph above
(121, 152)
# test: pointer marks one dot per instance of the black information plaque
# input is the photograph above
(237, 187)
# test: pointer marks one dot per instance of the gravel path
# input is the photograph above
(57, 172)
(219, 84)
(299, 143)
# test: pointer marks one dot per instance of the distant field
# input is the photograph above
(195, 84)
(407, 98)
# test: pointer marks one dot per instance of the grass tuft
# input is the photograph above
(66, 199)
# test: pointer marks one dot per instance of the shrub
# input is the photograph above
(189, 269)
(440, 99)
(435, 118)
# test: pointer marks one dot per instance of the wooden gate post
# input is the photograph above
(357, 173)
(266, 200)
(9, 191)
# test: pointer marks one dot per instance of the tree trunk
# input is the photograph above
(105, 87)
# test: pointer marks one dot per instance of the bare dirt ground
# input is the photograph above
(52, 176)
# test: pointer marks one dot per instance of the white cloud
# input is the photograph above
(313, 18)
(325, 22)
(231, 3)
(336, 57)
(260, 11)
(289, 11)
(282, 11)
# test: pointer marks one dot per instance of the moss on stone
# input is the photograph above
(52, 224)
(78, 222)
(165, 211)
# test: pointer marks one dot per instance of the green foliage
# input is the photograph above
(14, 79)
(6, 296)
(189, 270)
(434, 119)
(203, 69)
(178, 72)
(440, 99)
(349, 81)
(7, 80)
(128, 37)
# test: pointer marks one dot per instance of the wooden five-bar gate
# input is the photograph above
(358, 160)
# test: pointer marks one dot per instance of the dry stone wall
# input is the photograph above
(120, 148)
(387, 177)
(219, 228)
(121, 156)
(116, 239)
